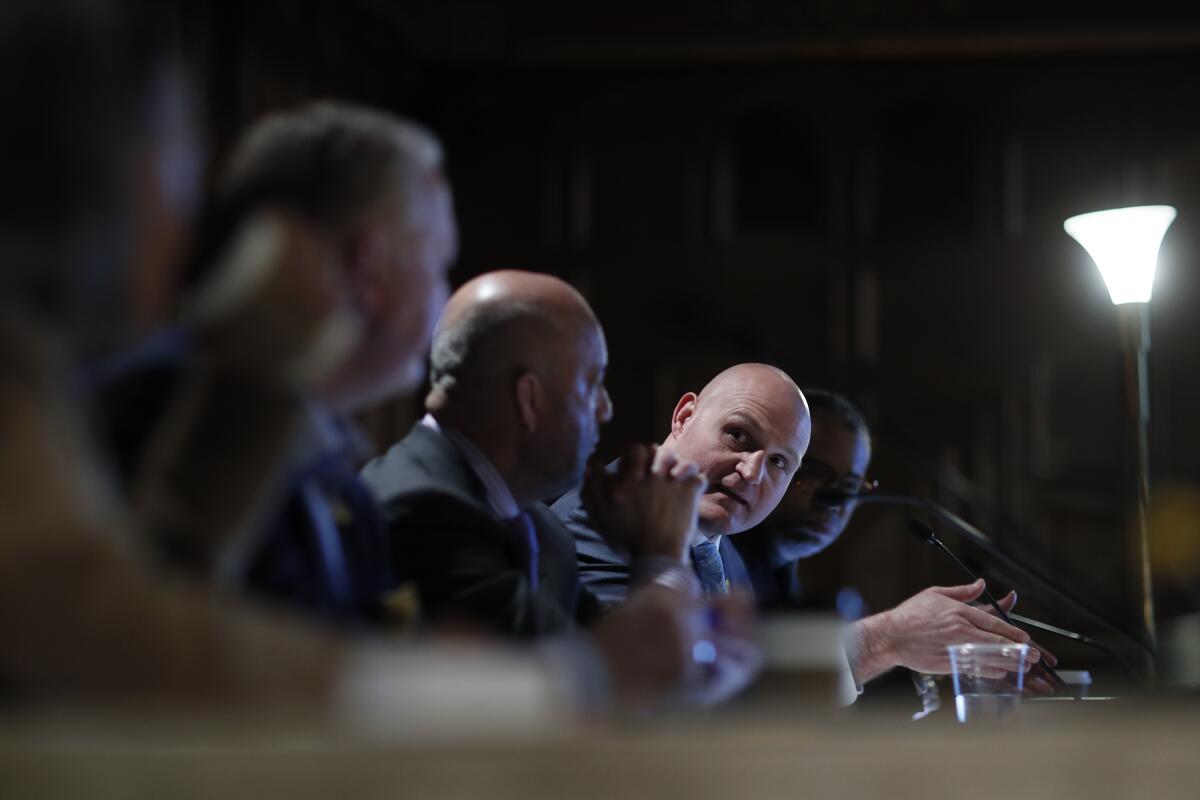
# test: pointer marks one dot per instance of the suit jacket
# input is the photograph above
(84, 614)
(465, 563)
(605, 571)
(320, 549)
(775, 588)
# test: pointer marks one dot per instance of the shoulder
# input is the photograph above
(423, 462)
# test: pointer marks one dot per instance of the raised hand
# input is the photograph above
(915, 633)
(648, 507)
(275, 304)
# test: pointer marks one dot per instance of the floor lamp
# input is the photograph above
(1124, 243)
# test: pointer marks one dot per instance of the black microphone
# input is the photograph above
(924, 533)
(834, 498)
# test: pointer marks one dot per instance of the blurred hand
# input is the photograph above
(648, 507)
(725, 657)
(665, 645)
(276, 304)
(647, 644)
(915, 633)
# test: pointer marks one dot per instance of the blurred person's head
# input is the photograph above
(747, 431)
(816, 509)
(100, 164)
(372, 184)
(518, 365)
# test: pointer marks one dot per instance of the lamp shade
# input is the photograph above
(1124, 244)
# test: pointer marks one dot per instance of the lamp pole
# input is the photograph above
(1124, 243)
(1134, 320)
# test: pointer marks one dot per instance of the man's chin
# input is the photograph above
(798, 544)
(716, 519)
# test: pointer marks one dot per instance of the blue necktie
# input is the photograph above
(527, 535)
(354, 563)
(706, 557)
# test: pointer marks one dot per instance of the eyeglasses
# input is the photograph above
(818, 476)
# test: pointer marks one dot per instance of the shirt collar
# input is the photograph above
(499, 497)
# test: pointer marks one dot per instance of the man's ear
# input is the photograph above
(530, 399)
(685, 409)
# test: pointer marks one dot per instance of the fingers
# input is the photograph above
(664, 462)
(1007, 602)
(685, 470)
(1048, 658)
(635, 463)
(964, 593)
(992, 624)
(1038, 686)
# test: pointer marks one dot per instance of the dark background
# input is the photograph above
(869, 193)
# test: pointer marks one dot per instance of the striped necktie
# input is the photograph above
(706, 557)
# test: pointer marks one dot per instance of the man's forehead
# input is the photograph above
(782, 423)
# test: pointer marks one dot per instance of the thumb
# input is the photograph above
(1008, 601)
(966, 593)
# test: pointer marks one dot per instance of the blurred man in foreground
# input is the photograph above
(87, 616)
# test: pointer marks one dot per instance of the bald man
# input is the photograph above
(746, 432)
(514, 411)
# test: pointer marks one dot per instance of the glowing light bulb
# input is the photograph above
(1124, 243)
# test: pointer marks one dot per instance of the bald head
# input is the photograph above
(747, 431)
(518, 365)
(502, 322)
(552, 298)
(766, 380)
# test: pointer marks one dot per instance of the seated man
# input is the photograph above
(813, 514)
(515, 409)
(746, 431)
(369, 187)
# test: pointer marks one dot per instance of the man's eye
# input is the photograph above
(737, 434)
(780, 462)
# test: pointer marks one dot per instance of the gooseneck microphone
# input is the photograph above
(1044, 586)
(924, 533)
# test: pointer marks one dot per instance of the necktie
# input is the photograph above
(522, 524)
(352, 557)
(706, 557)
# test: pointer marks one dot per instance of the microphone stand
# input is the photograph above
(925, 533)
(985, 542)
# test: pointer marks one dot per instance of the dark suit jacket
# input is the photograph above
(465, 563)
(775, 588)
(132, 392)
(605, 571)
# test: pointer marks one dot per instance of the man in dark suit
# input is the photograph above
(515, 409)
(369, 188)
(746, 431)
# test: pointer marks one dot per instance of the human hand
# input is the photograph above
(276, 304)
(647, 644)
(725, 655)
(915, 633)
(1037, 681)
(648, 507)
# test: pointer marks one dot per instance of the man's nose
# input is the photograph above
(604, 409)
(751, 466)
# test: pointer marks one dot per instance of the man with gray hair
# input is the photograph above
(369, 187)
